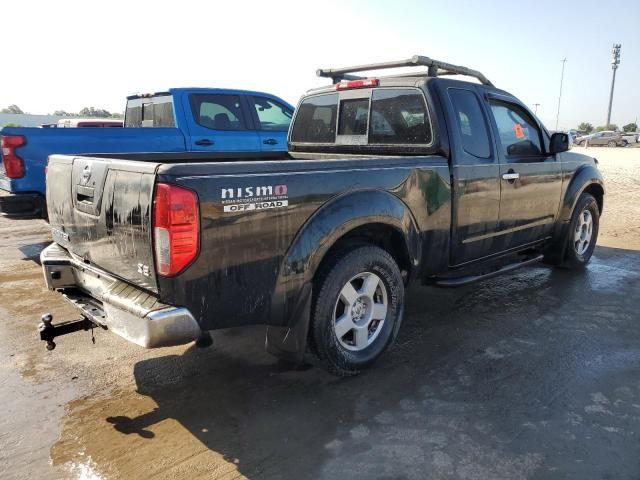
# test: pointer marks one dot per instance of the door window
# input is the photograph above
(218, 112)
(471, 124)
(518, 132)
(272, 116)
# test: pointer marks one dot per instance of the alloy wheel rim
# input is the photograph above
(360, 311)
(583, 232)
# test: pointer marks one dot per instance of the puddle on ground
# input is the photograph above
(123, 436)
(607, 274)
(28, 422)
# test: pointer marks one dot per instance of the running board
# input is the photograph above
(461, 281)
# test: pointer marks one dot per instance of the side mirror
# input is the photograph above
(559, 143)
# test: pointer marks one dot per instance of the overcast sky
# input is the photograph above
(72, 54)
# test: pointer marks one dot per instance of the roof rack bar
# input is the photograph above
(339, 74)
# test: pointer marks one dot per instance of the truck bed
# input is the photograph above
(252, 208)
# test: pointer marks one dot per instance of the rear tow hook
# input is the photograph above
(49, 331)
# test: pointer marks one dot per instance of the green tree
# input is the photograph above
(10, 124)
(611, 126)
(116, 115)
(630, 127)
(94, 112)
(12, 109)
(62, 113)
(585, 127)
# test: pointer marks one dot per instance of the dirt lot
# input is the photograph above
(532, 375)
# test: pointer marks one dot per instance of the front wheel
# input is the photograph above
(357, 309)
(583, 232)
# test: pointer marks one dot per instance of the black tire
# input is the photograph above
(572, 257)
(612, 144)
(329, 283)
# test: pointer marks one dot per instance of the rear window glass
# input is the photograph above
(392, 116)
(316, 120)
(218, 112)
(150, 112)
(353, 116)
(399, 116)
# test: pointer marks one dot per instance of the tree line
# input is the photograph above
(587, 127)
(90, 112)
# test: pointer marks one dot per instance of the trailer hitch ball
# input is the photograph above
(44, 327)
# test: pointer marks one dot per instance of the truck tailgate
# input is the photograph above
(100, 211)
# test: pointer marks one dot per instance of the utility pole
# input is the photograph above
(564, 60)
(536, 110)
(615, 61)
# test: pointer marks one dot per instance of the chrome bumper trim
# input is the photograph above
(128, 311)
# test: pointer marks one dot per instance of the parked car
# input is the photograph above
(388, 181)
(179, 120)
(574, 135)
(608, 138)
(631, 137)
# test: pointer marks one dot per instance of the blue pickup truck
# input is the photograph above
(179, 120)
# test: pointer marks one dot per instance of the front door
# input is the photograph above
(221, 124)
(272, 120)
(530, 177)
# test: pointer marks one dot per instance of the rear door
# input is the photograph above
(272, 119)
(530, 177)
(221, 123)
(476, 185)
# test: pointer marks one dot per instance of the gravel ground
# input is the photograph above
(529, 375)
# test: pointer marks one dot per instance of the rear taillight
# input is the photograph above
(176, 232)
(365, 83)
(13, 164)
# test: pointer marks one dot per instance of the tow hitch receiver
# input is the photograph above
(49, 331)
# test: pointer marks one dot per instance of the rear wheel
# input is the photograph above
(612, 143)
(357, 309)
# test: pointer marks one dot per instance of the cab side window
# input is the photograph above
(518, 133)
(272, 115)
(218, 112)
(471, 124)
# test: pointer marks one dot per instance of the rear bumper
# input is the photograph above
(128, 311)
(22, 206)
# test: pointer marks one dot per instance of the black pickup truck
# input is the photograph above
(388, 180)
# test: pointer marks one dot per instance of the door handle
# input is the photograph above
(205, 141)
(511, 176)
(270, 141)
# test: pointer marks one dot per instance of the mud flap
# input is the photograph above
(554, 253)
(290, 343)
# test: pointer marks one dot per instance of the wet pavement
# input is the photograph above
(532, 375)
